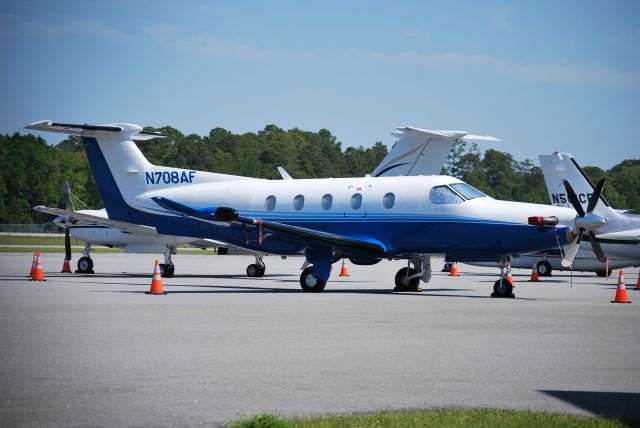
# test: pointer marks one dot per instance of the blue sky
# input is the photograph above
(542, 76)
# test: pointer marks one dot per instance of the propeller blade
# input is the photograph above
(567, 261)
(595, 245)
(67, 244)
(596, 195)
(573, 198)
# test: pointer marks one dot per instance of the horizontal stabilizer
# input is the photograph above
(87, 130)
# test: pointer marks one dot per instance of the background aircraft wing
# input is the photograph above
(74, 215)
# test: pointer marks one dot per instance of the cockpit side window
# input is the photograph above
(444, 195)
(469, 192)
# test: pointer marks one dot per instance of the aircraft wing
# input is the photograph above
(127, 227)
(225, 214)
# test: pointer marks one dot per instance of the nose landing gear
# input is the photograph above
(503, 287)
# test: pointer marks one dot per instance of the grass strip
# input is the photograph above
(439, 418)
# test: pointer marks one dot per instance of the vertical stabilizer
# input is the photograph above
(562, 166)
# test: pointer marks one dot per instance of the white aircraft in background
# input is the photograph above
(619, 239)
(365, 219)
(617, 244)
(93, 227)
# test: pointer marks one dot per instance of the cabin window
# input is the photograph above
(388, 200)
(298, 202)
(326, 201)
(356, 201)
(469, 192)
(444, 195)
(270, 203)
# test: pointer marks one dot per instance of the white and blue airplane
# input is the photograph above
(365, 219)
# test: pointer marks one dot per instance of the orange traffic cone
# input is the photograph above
(534, 274)
(33, 264)
(38, 273)
(344, 271)
(156, 282)
(66, 266)
(454, 269)
(509, 277)
(638, 282)
(621, 291)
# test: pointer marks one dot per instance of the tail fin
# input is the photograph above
(562, 166)
(121, 170)
(420, 151)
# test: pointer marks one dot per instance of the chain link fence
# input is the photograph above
(30, 228)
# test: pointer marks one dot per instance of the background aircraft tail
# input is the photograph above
(562, 166)
(421, 151)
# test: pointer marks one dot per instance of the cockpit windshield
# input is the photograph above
(467, 191)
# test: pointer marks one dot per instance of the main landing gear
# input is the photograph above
(167, 269)
(85, 264)
(503, 287)
(408, 279)
(311, 283)
(257, 269)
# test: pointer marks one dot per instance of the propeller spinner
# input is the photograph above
(585, 223)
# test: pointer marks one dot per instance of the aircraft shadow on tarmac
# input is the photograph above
(241, 289)
(606, 404)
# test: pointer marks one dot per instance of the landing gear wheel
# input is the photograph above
(256, 271)
(85, 265)
(544, 268)
(310, 283)
(404, 284)
(446, 267)
(603, 273)
(503, 288)
(167, 270)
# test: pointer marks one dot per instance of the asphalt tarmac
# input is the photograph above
(95, 350)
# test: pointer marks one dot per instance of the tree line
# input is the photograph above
(33, 171)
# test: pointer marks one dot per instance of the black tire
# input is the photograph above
(503, 288)
(85, 265)
(544, 268)
(253, 270)
(167, 270)
(446, 267)
(310, 283)
(603, 273)
(411, 285)
(261, 271)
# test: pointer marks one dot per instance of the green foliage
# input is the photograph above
(497, 174)
(263, 420)
(33, 172)
(439, 418)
